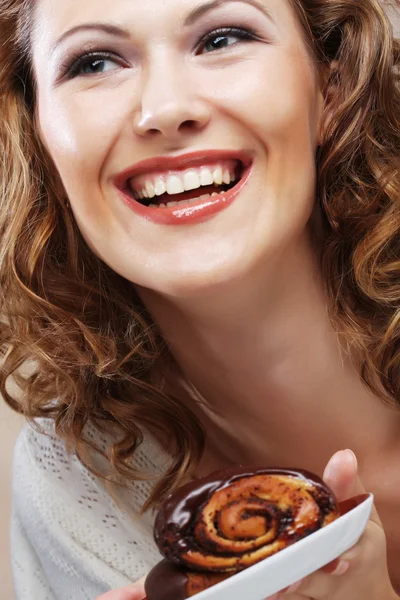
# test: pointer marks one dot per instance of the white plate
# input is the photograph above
(295, 562)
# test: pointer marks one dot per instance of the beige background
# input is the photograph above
(9, 427)
(10, 424)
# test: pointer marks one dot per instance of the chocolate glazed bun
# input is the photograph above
(215, 527)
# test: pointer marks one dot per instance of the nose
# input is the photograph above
(170, 106)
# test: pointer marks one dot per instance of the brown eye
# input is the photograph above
(94, 63)
(221, 39)
(95, 66)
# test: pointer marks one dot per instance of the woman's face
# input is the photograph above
(224, 88)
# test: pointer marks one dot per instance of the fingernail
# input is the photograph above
(353, 458)
(331, 567)
(331, 468)
(293, 588)
(342, 568)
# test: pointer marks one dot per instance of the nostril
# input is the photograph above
(154, 131)
(188, 125)
(182, 128)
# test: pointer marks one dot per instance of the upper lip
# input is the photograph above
(192, 159)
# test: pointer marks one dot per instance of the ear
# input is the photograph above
(329, 91)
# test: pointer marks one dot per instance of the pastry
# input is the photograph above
(217, 526)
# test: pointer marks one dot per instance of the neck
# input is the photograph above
(266, 371)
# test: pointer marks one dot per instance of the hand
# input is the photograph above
(132, 592)
(361, 573)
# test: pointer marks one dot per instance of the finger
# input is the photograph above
(131, 592)
(331, 567)
(341, 475)
(127, 593)
(319, 585)
(122, 594)
(291, 597)
(370, 552)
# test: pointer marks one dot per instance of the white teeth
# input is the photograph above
(174, 185)
(206, 177)
(150, 189)
(191, 180)
(217, 176)
(159, 186)
(226, 177)
(177, 183)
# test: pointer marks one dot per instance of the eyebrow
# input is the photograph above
(205, 8)
(105, 27)
(193, 16)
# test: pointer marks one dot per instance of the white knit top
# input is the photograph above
(69, 538)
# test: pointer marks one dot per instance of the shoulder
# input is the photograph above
(41, 457)
(59, 504)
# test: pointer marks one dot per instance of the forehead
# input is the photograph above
(52, 17)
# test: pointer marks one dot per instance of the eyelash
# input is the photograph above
(243, 34)
(75, 63)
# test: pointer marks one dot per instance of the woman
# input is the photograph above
(255, 320)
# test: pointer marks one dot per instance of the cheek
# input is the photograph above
(276, 98)
(78, 134)
(279, 102)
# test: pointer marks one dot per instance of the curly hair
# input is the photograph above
(96, 354)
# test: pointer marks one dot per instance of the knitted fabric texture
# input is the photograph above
(70, 540)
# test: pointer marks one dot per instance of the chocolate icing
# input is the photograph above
(166, 582)
(172, 528)
(169, 582)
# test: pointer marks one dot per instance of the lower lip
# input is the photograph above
(196, 212)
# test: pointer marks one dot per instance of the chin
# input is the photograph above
(225, 279)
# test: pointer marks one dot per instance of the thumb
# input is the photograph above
(341, 475)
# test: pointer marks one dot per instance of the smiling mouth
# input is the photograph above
(186, 186)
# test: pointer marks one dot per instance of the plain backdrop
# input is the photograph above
(10, 425)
